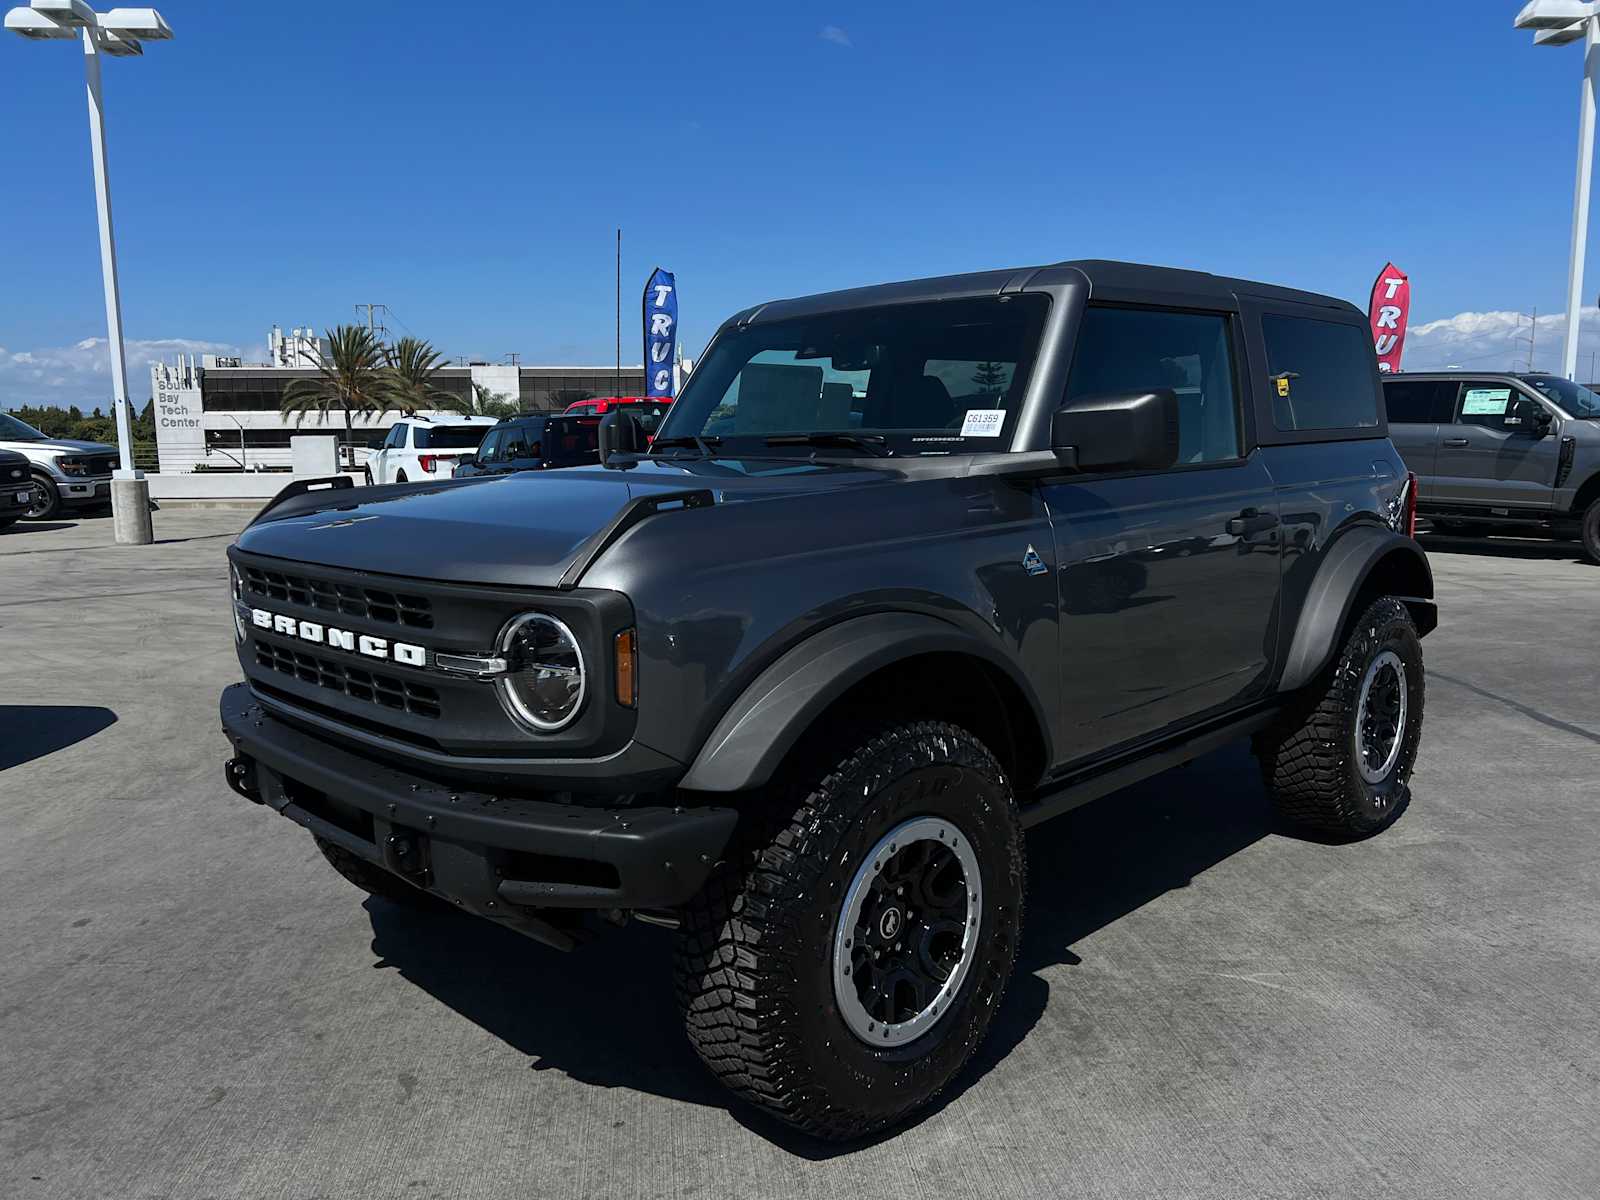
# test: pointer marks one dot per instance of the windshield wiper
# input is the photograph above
(873, 443)
(702, 444)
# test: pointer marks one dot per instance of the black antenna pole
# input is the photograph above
(617, 382)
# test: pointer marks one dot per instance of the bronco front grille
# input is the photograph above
(352, 600)
(355, 682)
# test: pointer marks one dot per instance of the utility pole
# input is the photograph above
(1533, 332)
(375, 326)
(514, 358)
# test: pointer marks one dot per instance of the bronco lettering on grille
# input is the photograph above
(340, 639)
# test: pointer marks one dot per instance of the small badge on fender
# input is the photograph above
(1032, 563)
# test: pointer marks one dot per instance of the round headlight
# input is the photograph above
(543, 686)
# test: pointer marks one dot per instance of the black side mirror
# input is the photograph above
(1119, 431)
(620, 433)
(1532, 416)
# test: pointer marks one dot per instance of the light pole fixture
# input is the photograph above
(1558, 23)
(118, 32)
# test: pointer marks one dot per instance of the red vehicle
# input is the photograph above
(647, 410)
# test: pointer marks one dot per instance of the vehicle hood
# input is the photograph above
(59, 446)
(523, 529)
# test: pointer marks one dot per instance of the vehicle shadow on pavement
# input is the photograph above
(30, 731)
(606, 1016)
(39, 527)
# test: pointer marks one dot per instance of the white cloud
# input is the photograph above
(832, 33)
(81, 373)
(1498, 341)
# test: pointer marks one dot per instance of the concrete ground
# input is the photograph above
(192, 1004)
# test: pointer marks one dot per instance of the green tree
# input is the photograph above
(992, 378)
(349, 378)
(407, 384)
(483, 403)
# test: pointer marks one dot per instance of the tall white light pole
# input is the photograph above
(117, 32)
(1557, 23)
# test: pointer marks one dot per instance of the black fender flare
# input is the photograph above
(1346, 564)
(775, 709)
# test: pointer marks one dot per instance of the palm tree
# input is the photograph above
(485, 402)
(347, 379)
(407, 384)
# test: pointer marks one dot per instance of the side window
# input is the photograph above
(1128, 349)
(1420, 401)
(1321, 374)
(1490, 404)
(396, 438)
(489, 451)
(516, 442)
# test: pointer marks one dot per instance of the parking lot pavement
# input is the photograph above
(192, 1004)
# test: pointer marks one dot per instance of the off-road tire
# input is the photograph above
(1309, 758)
(48, 505)
(754, 967)
(1589, 532)
(375, 881)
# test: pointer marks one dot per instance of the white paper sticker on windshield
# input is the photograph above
(983, 422)
(1485, 402)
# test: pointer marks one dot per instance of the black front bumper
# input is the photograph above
(502, 858)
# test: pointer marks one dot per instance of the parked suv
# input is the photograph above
(1500, 453)
(533, 442)
(16, 488)
(65, 473)
(425, 448)
(908, 569)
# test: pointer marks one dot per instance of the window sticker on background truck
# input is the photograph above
(1485, 402)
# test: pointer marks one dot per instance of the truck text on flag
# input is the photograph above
(660, 332)
(1387, 311)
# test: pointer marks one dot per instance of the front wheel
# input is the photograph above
(842, 971)
(1340, 759)
(1589, 532)
(46, 500)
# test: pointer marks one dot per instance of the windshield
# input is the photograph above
(934, 378)
(450, 437)
(13, 430)
(1574, 398)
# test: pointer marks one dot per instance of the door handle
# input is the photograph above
(1251, 520)
(1457, 442)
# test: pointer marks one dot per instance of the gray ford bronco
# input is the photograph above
(906, 570)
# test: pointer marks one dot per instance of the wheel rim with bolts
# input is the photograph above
(907, 932)
(1381, 717)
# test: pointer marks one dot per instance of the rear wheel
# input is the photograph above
(1340, 760)
(46, 499)
(375, 881)
(841, 970)
(1589, 532)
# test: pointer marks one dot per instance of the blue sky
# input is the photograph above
(470, 172)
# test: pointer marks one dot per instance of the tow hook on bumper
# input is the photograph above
(241, 776)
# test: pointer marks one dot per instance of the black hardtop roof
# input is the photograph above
(1101, 275)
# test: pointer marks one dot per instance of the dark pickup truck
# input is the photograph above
(17, 493)
(906, 570)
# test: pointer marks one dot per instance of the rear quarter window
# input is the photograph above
(1320, 374)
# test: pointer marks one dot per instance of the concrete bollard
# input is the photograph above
(130, 510)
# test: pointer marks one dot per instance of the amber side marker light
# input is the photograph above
(626, 644)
